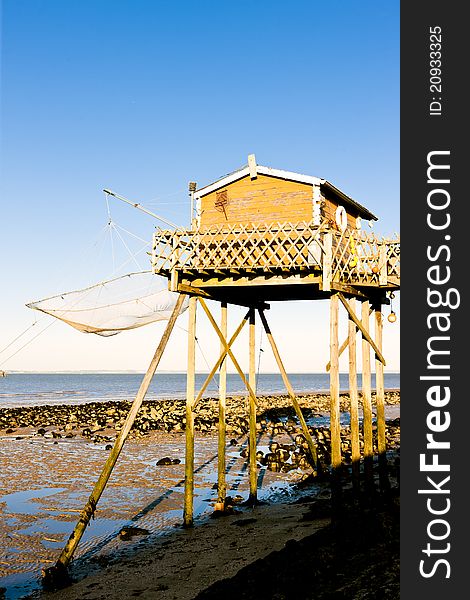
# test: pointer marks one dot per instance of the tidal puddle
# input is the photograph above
(24, 502)
(37, 516)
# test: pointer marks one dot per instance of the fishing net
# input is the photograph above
(110, 307)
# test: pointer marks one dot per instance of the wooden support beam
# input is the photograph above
(220, 360)
(89, 509)
(353, 395)
(380, 401)
(221, 483)
(337, 286)
(174, 262)
(361, 327)
(192, 290)
(335, 428)
(342, 348)
(344, 345)
(366, 395)
(252, 413)
(383, 267)
(190, 386)
(197, 290)
(229, 352)
(327, 261)
(290, 391)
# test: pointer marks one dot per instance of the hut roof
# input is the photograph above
(289, 175)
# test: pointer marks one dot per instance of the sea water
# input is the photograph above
(28, 389)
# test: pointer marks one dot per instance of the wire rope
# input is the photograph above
(18, 337)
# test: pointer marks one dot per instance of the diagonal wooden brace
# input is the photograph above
(290, 391)
(220, 360)
(89, 509)
(365, 334)
(229, 352)
(343, 347)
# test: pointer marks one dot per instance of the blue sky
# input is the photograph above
(143, 96)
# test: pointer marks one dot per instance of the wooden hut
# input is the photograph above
(261, 195)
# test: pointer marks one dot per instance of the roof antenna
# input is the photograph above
(192, 188)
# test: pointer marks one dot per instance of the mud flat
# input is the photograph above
(51, 457)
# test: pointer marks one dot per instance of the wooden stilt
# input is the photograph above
(252, 410)
(355, 447)
(335, 428)
(89, 509)
(190, 386)
(342, 348)
(345, 344)
(290, 391)
(366, 397)
(221, 484)
(364, 329)
(380, 400)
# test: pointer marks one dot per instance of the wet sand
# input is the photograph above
(277, 552)
(190, 561)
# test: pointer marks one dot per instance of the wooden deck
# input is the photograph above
(268, 256)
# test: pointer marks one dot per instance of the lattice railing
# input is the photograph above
(354, 257)
(359, 258)
(249, 246)
(393, 258)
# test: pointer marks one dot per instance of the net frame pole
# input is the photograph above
(90, 507)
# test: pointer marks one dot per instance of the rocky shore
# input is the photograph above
(99, 422)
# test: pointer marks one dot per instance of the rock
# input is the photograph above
(233, 442)
(243, 522)
(108, 447)
(282, 454)
(41, 431)
(10, 430)
(175, 461)
(164, 461)
(128, 532)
